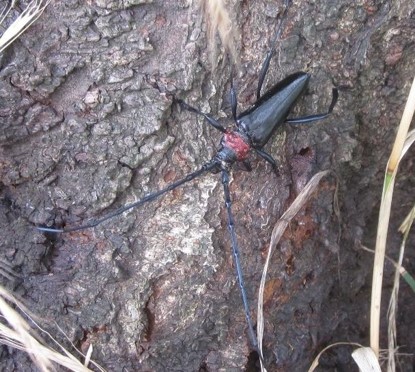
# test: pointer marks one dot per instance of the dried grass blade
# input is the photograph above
(384, 215)
(277, 232)
(21, 23)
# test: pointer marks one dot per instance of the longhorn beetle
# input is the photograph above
(254, 128)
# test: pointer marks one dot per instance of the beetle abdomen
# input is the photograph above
(271, 110)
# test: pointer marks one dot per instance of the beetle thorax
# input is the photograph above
(237, 143)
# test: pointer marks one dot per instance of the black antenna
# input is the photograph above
(206, 167)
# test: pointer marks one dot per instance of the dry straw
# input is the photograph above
(401, 145)
(32, 12)
(219, 23)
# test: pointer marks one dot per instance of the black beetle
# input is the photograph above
(254, 128)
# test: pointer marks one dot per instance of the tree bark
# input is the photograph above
(88, 123)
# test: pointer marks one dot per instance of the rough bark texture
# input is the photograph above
(88, 124)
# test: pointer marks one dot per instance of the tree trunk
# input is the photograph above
(88, 123)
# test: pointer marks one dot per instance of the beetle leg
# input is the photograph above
(213, 122)
(149, 197)
(268, 158)
(234, 101)
(311, 118)
(237, 262)
(263, 72)
(270, 53)
(243, 165)
(247, 166)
